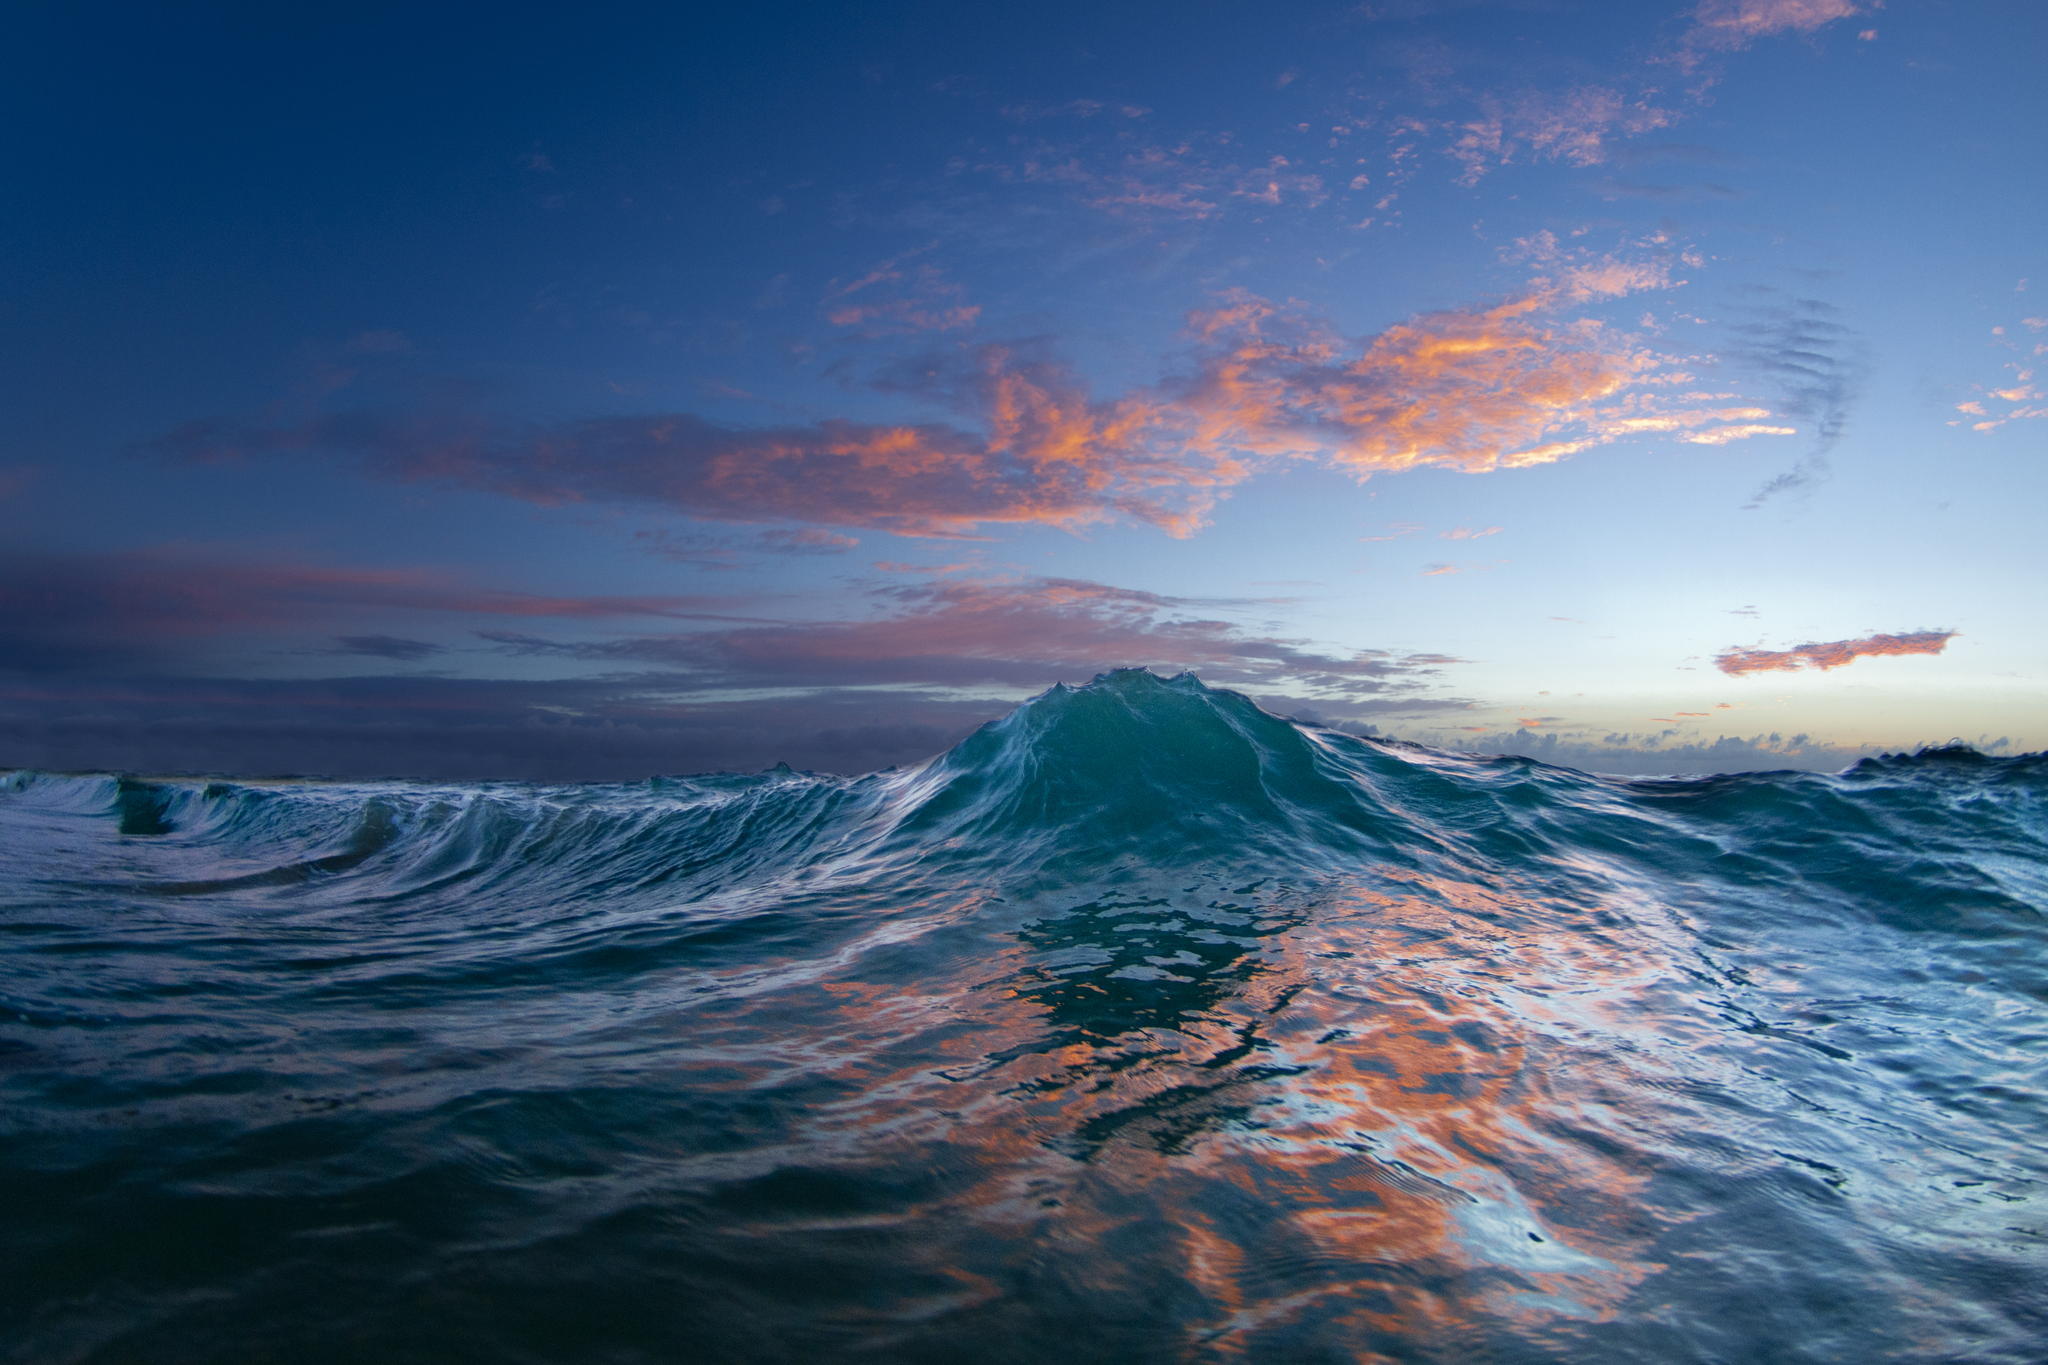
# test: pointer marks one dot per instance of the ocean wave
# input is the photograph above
(1140, 1025)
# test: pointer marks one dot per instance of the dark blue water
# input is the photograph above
(1142, 1026)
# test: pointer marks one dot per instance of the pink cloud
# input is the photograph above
(1738, 661)
(1522, 382)
(898, 566)
(1573, 126)
(1737, 23)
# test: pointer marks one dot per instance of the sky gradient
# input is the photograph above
(612, 390)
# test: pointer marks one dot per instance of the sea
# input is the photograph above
(1141, 1026)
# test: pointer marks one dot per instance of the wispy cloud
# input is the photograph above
(1737, 661)
(394, 647)
(1575, 126)
(1138, 177)
(1031, 111)
(710, 550)
(1802, 348)
(901, 294)
(1733, 24)
(1495, 122)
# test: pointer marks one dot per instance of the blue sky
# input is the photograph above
(626, 389)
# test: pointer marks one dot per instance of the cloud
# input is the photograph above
(899, 566)
(385, 647)
(1468, 533)
(1521, 382)
(706, 550)
(1142, 181)
(1583, 124)
(67, 612)
(1029, 111)
(1574, 126)
(1655, 753)
(1802, 349)
(2019, 399)
(453, 728)
(899, 295)
(1014, 632)
(1737, 661)
(1516, 384)
(1733, 24)
(933, 659)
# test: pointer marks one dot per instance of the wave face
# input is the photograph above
(1141, 1026)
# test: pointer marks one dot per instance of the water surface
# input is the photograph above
(1141, 1026)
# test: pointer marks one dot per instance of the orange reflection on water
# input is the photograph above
(1343, 1124)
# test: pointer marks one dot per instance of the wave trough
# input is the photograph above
(1142, 1025)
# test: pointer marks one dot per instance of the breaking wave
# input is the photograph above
(1142, 1025)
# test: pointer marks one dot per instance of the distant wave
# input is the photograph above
(1140, 1025)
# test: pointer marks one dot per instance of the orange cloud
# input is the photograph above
(897, 296)
(2020, 399)
(1522, 382)
(1516, 384)
(1830, 654)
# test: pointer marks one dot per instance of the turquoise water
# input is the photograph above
(1141, 1026)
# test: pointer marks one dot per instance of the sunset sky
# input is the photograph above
(594, 391)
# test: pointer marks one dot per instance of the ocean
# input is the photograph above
(1142, 1025)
